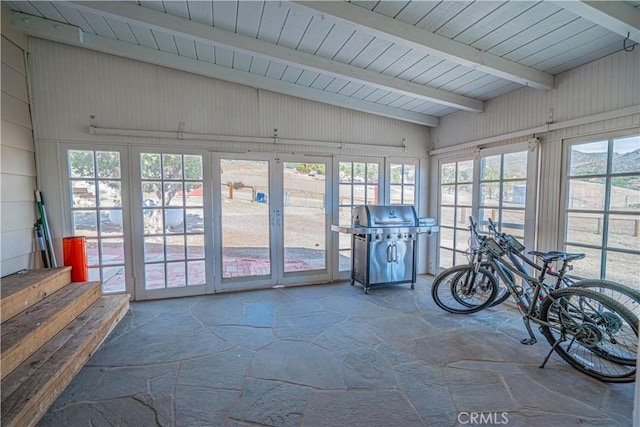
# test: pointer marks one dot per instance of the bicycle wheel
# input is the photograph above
(461, 290)
(503, 293)
(629, 298)
(593, 333)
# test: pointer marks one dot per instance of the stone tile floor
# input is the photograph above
(329, 355)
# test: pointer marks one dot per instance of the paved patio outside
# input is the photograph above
(329, 355)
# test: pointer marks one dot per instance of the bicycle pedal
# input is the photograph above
(528, 341)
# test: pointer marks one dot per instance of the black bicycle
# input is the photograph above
(592, 332)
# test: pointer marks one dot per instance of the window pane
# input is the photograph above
(345, 217)
(408, 196)
(465, 194)
(589, 266)
(172, 166)
(490, 168)
(154, 276)
(515, 165)
(447, 216)
(465, 171)
(448, 173)
(513, 223)
(409, 176)
(462, 239)
(446, 258)
(83, 194)
(195, 273)
(584, 228)
(193, 167)
(176, 275)
(108, 163)
(588, 159)
(514, 193)
(446, 237)
(485, 214)
(153, 249)
(619, 270)
(113, 279)
(447, 194)
(359, 172)
(586, 193)
(93, 257)
(81, 164)
(345, 194)
(396, 194)
(194, 194)
(174, 220)
(625, 193)
(396, 174)
(624, 232)
(195, 220)
(345, 172)
(372, 173)
(358, 194)
(85, 223)
(112, 251)
(626, 154)
(175, 247)
(110, 193)
(490, 194)
(173, 194)
(150, 166)
(195, 246)
(372, 194)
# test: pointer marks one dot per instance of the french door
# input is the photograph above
(271, 222)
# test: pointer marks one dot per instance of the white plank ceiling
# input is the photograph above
(411, 60)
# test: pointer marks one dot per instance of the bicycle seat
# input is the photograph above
(555, 255)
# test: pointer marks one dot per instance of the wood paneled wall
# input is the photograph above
(17, 151)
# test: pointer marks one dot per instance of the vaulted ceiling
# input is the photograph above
(412, 60)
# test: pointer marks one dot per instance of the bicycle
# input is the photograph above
(514, 249)
(590, 331)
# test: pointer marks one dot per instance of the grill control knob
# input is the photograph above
(399, 235)
(388, 236)
(377, 237)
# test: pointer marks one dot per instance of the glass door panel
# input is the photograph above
(305, 217)
(245, 218)
(172, 217)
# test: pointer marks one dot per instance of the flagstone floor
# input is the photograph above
(329, 355)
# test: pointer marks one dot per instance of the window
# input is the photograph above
(602, 212)
(456, 199)
(503, 191)
(402, 184)
(173, 217)
(359, 185)
(95, 185)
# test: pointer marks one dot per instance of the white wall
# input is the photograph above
(609, 85)
(18, 171)
(69, 84)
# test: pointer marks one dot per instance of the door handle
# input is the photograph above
(389, 253)
(395, 253)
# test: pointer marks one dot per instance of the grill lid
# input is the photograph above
(384, 216)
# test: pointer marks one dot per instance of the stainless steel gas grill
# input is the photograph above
(383, 244)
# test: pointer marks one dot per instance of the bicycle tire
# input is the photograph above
(628, 297)
(503, 293)
(589, 330)
(452, 290)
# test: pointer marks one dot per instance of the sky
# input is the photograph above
(620, 145)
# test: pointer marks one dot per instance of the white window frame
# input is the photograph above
(606, 211)
(532, 148)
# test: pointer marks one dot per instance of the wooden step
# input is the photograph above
(20, 291)
(26, 332)
(32, 387)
